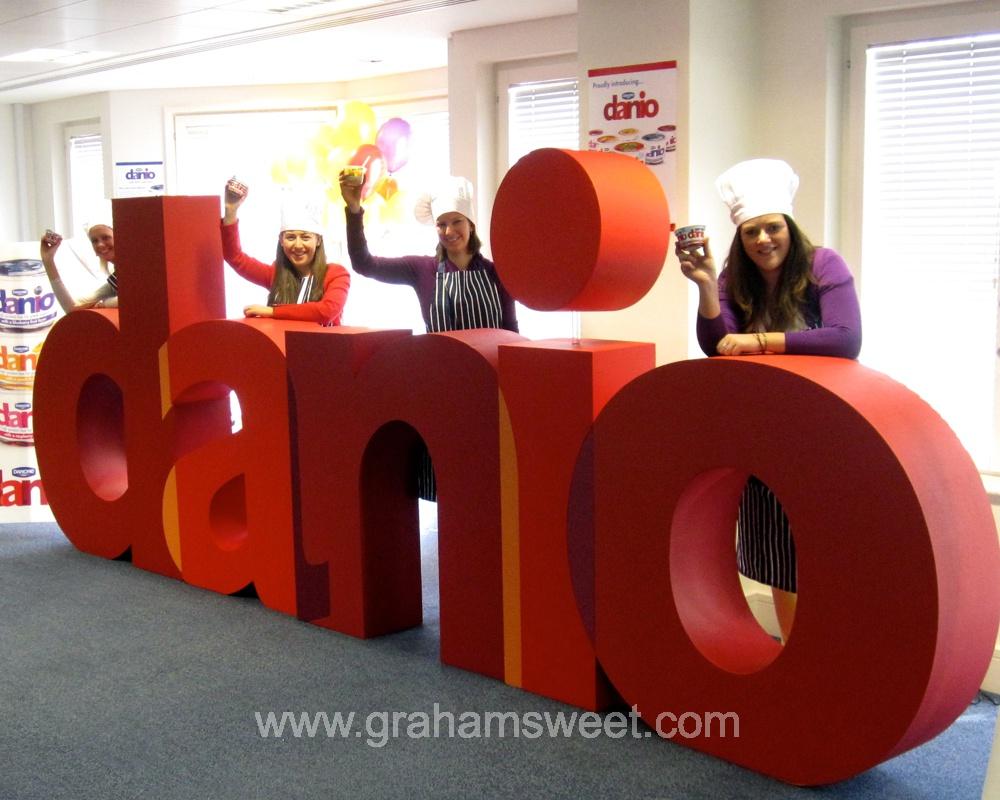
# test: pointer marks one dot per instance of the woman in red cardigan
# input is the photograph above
(301, 284)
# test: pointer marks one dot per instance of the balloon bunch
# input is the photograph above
(355, 139)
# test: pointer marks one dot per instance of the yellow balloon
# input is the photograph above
(394, 210)
(296, 166)
(317, 148)
(278, 173)
(361, 118)
(324, 136)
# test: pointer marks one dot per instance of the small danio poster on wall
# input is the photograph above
(138, 178)
(633, 111)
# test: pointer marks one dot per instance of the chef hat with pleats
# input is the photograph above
(756, 187)
(452, 194)
(300, 213)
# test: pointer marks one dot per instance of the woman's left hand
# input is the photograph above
(258, 311)
(739, 344)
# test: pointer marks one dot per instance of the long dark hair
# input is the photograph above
(475, 245)
(782, 310)
(287, 282)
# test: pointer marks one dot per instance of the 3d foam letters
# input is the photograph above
(587, 500)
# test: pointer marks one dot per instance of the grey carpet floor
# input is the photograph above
(117, 683)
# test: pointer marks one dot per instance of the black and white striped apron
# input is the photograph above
(765, 550)
(463, 299)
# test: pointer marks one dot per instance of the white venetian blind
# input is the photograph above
(932, 227)
(86, 182)
(542, 114)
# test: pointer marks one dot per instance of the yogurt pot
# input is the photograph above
(16, 417)
(592, 136)
(354, 174)
(690, 235)
(670, 132)
(632, 149)
(18, 358)
(607, 142)
(629, 134)
(656, 147)
(27, 302)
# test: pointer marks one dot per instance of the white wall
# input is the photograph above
(45, 128)
(10, 213)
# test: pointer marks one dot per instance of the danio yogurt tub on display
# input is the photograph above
(27, 302)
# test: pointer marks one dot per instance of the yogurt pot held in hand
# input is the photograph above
(690, 236)
(236, 189)
(354, 174)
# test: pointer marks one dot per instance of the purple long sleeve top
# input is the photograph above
(832, 313)
(420, 272)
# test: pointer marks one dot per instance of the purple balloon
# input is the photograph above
(393, 139)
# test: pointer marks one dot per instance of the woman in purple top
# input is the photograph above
(457, 288)
(777, 294)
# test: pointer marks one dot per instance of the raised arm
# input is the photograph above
(714, 318)
(48, 247)
(402, 270)
(246, 266)
(104, 294)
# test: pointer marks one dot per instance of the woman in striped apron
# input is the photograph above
(457, 287)
(777, 294)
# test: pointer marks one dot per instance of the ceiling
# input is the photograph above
(104, 45)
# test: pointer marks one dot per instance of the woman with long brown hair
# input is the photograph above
(778, 293)
(301, 284)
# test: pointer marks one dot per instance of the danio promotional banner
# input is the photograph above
(28, 309)
(633, 111)
(138, 178)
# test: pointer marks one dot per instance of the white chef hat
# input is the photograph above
(452, 194)
(300, 213)
(756, 187)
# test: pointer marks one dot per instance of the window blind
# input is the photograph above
(86, 179)
(932, 227)
(542, 114)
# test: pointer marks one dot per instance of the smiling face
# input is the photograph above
(300, 249)
(766, 241)
(102, 239)
(454, 230)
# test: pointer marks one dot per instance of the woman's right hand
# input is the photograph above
(697, 263)
(351, 192)
(233, 198)
(50, 243)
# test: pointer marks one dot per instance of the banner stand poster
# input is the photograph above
(28, 308)
(633, 111)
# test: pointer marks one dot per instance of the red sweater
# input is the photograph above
(325, 311)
